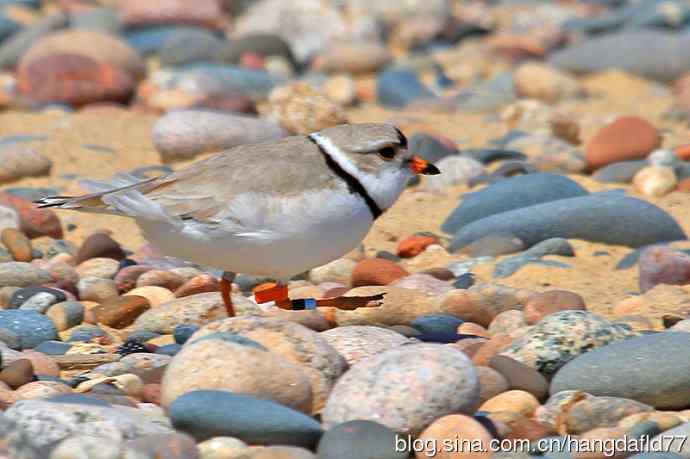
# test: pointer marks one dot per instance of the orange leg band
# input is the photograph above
(276, 292)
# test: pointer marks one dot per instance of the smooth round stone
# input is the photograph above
(103, 48)
(608, 218)
(24, 297)
(494, 245)
(73, 80)
(543, 82)
(438, 380)
(183, 134)
(437, 323)
(142, 336)
(49, 422)
(152, 39)
(359, 342)
(655, 181)
(96, 289)
(169, 349)
(542, 304)
(182, 333)
(169, 445)
(622, 370)
(638, 52)
(425, 283)
(156, 296)
(30, 327)
(20, 161)
(599, 412)
(17, 373)
(66, 315)
(339, 270)
(514, 401)
(520, 376)
(188, 45)
(206, 414)
(626, 138)
(464, 281)
(42, 390)
(491, 383)
(217, 364)
(483, 302)
(20, 274)
(300, 108)
(376, 271)
(222, 448)
(53, 347)
(398, 88)
(105, 268)
(99, 245)
(198, 309)
(142, 364)
(353, 58)
(198, 284)
(561, 337)
(322, 364)
(619, 172)
(85, 447)
(460, 428)
(160, 278)
(86, 333)
(663, 265)
(204, 13)
(513, 193)
(507, 322)
(122, 311)
(359, 440)
(14, 240)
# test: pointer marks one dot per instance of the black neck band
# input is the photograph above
(353, 184)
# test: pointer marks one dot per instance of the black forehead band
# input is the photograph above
(402, 138)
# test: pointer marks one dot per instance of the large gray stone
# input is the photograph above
(609, 218)
(651, 369)
(513, 193)
(47, 423)
(647, 53)
(206, 414)
(405, 388)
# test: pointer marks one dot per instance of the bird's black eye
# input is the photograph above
(387, 153)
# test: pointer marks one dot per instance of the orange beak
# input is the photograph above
(420, 165)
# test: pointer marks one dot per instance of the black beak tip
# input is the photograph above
(431, 170)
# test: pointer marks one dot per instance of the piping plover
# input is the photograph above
(274, 209)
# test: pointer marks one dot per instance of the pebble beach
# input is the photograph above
(537, 291)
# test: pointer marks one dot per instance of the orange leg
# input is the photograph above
(225, 290)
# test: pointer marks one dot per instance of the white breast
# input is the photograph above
(260, 234)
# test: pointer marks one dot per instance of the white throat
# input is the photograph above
(384, 188)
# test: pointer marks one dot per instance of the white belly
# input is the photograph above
(269, 237)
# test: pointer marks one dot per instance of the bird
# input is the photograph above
(273, 209)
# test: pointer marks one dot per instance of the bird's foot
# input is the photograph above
(278, 293)
(348, 303)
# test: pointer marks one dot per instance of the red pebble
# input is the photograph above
(415, 244)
